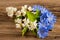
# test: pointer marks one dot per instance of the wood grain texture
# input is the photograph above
(7, 26)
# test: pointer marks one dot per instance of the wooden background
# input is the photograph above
(7, 26)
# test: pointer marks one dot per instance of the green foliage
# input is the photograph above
(34, 32)
(37, 14)
(24, 31)
(32, 17)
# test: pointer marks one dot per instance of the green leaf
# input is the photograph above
(24, 31)
(31, 16)
(37, 14)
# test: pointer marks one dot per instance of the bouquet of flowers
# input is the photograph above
(36, 19)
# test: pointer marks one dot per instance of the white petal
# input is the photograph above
(30, 8)
(15, 9)
(10, 14)
(23, 25)
(28, 21)
(25, 6)
(18, 20)
(18, 13)
(23, 12)
(18, 26)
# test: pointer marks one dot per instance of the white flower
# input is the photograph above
(18, 20)
(24, 7)
(18, 26)
(29, 24)
(32, 25)
(18, 13)
(30, 8)
(35, 23)
(10, 11)
(23, 25)
(23, 12)
(26, 21)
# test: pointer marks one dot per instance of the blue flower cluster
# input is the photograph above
(46, 23)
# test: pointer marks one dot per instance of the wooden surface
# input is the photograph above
(7, 26)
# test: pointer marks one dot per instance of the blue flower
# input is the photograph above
(41, 8)
(47, 20)
(51, 18)
(50, 26)
(35, 7)
(46, 17)
(42, 31)
(45, 14)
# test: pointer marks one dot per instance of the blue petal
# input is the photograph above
(50, 26)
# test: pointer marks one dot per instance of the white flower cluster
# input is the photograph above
(10, 11)
(21, 22)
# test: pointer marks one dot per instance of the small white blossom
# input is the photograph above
(23, 25)
(32, 25)
(35, 23)
(24, 7)
(29, 24)
(18, 20)
(18, 13)
(30, 8)
(26, 21)
(18, 26)
(10, 14)
(34, 12)
(23, 12)
(10, 11)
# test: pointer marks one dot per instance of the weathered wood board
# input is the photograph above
(7, 26)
